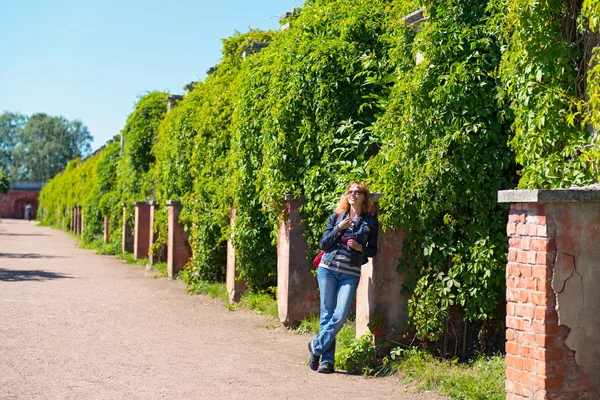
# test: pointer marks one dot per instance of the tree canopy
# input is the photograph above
(38, 147)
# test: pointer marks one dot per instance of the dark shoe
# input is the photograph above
(326, 368)
(313, 359)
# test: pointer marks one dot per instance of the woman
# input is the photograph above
(350, 237)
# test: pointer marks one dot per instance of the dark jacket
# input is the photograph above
(366, 235)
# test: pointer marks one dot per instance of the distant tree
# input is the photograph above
(45, 145)
(11, 126)
(4, 181)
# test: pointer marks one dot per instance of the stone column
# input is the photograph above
(141, 230)
(106, 229)
(553, 307)
(381, 309)
(297, 289)
(178, 248)
(126, 234)
(235, 286)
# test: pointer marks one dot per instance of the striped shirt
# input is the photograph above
(343, 256)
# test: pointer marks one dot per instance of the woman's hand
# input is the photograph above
(345, 224)
(355, 245)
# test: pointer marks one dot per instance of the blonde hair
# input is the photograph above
(368, 205)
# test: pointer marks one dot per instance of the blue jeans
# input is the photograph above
(337, 295)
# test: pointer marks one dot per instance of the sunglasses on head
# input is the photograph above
(353, 192)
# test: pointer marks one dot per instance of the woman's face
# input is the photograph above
(355, 196)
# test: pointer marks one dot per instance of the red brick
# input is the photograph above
(511, 282)
(512, 348)
(560, 369)
(524, 352)
(542, 231)
(554, 355)
(544, 258)
(549, 341)
(512, 255)
(525, 270)
(524, 296)
(525, 338)
(512, 268)
(532, 230)
(525, 377)
(522, 229)
(531, 257)
(541, 272)
(512, 295)
(510, 334)
(540, 395)
(545, 328)
(510, 309)
(525, 243)
(514, 242)
(539, 244)
(541, 299)
(513, 322)
(514, 216)
(514, 362)
(526, 311)
(570, 356)
(529, 365)
(522, 256)
(543, 285)
(511, 228)
(523, 390)
(555, 382)
(513, 374)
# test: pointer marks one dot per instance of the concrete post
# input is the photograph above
(178, 248)
(381, 309)
(106, 229)
(126, 234)
(553, 307)
(235, 286)
(297, 288)
(141, 230)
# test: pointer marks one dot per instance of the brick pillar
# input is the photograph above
(297, 289)
(381, 309)
(126, 234)
(81, 225)
(77, 219)
(151, 234)
(552, 280)
(178, 248)
(141, 230)
(70, 210)
(106, 229)
(235, 286)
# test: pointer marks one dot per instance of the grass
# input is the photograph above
(213, 289)
(480, 379)
(262, 303)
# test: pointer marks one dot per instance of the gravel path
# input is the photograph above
(76, 325)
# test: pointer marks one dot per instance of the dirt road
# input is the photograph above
(76, 325)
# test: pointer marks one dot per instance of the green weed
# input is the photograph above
(480, 379)
(262, 303)
(213, 289)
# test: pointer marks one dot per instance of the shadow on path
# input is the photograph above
(22, 234)
(27, 255)
(8, 275)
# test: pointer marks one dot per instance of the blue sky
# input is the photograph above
(90, 60)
